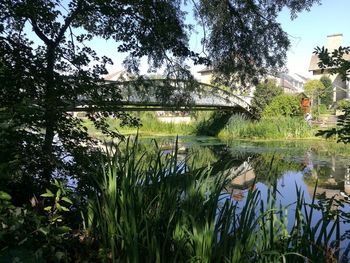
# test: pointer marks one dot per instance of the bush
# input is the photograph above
(283, 105)
(323, 109)
(327, 94)
(263, 95)
(343, 104)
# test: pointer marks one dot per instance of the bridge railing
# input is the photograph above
(178, 92)
(166, 93)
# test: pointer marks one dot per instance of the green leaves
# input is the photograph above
(58, 203)
(336, 61)
(263, 95)
(342, 131)
(48, 208)
(5, 196)
(66, 199)
(283, 105)
(47, 194)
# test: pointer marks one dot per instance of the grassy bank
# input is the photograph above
(151, 125)
(146, 207)
(238, 127)
(289, 128)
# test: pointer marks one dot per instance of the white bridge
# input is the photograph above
(166, 94)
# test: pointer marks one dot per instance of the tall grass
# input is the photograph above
(163, 211)
(240, 127)
(151, 124)
(214, 124)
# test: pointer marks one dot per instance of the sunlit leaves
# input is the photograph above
(244, 40)
(336, 62)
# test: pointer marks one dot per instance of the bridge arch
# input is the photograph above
(165, 95)
(168, 94)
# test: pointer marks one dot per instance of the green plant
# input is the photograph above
(58, 204)
(342, 132)
(326, 95)
(160, 211)
(314, 88)
(267, 128)
(283, 105)
(343, 104)
(37, 233)
(323, 109)
(263, 95)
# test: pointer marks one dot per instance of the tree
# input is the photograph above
(336, 63)
(327, 94)
(43, 75)
(283, 105)
(314, 89)
(264, 93)
(244, 39)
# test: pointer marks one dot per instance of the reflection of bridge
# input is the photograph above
(165, 94)
(241, 176)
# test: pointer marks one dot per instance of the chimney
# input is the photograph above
(334, 41)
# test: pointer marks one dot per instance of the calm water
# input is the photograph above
(290, 165)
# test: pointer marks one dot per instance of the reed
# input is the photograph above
(240, 127)
(163, 210)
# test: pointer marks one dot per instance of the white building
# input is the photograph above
(341, 87)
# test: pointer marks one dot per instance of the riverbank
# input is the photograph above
(238, 127)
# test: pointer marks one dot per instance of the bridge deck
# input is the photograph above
(167, 95)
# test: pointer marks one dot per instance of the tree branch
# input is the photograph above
(67, 23)
(39, 33)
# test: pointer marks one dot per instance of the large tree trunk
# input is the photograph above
(50, 122)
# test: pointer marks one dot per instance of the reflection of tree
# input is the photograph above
(200, 156)
(332, 181)
(271, 166)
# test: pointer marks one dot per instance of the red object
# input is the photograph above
(306, 105)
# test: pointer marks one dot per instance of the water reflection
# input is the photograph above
(291, 167)
(333, 178)
(250, 164)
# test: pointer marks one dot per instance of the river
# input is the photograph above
(291, 166)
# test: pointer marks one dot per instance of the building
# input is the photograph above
(341, 87)
(291, 83)
(205, 75)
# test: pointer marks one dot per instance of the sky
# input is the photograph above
(310, 29)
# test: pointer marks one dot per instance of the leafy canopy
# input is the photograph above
(327, 94)
(336, 63)
(313, 87)
(45, 72)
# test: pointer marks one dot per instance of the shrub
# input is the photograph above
(263, 95)
(283, 105)
(342, 104)
(327, 94)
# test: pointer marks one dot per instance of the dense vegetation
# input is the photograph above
(335, 63)
(270, 128)
(263, 95)
(147, 205)
(63, 199)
